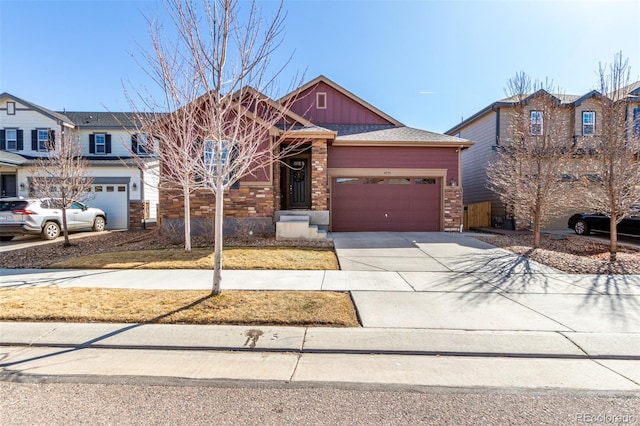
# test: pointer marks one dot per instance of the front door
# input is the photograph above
(8, 186)
(299, 183)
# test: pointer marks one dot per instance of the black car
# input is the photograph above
(583, 224)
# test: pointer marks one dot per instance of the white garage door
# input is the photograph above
(113, 199)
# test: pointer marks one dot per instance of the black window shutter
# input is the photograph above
(34, 140)
(52, 140)
(20, 140)
(3, 143)
(134, 143)
(92, 144)
(107, 144)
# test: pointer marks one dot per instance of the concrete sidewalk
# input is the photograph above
(436, 309)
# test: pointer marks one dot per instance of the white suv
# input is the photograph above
(20, 216)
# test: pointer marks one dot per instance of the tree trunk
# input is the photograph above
(536, 229)
(217, 256)
(65, 230)
(187, 221)
(613, 235)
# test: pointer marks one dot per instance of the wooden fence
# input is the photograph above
(477, 215)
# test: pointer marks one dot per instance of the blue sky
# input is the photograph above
(426, 63)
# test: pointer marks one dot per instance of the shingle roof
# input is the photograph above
(101, 120)
(11, 158)
(387, 133)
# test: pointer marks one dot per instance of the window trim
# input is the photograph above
(43, 144)
(587, 125)
(102, 144)
(536, 118)
(321, 100)
(7, 139)
(11, 108)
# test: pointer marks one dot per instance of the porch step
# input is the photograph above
(298, 228)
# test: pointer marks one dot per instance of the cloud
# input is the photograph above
(427, 92)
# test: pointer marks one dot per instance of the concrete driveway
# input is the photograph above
(458, 282)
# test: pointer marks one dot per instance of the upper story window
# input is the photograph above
(11, 137)
(139, 143)
(536, 126)
(588, 123)
(636, 121)
(321, 100)
(100, 143)
(43, 139)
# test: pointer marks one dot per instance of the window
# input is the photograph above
(372, 181)
(636, 121)
(97, 188)
(588, 123)
(536, 123)
(11, 108)
(139, 143)
(424, 181)
(343, 181)
(43, 139)
(122, 189)
(211, 157)
(11, 136)
(101, 143)
(399, 181)
(321, 100)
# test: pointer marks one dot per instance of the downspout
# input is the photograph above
(460, 186)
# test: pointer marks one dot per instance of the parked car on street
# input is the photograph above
(24, 216)
(583, 224)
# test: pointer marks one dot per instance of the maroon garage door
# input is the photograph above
(391, 204)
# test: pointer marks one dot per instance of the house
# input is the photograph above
(127, 193)
(358, 170)
(489, 129)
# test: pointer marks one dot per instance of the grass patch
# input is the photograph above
(202, 258)
(286, 308)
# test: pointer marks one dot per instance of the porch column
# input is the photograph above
(319, 182)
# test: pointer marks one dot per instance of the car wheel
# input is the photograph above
(50, 231)
(6, 238)
(98, 224)
(581, 228)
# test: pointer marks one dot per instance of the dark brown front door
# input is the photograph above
(299, 183)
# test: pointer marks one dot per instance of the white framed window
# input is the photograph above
(588, 123)
(536, 125)
(321, 100)
(101, 142)
(11, 136)
(43, 139)
(210, 155)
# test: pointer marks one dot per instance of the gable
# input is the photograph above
(323, 102)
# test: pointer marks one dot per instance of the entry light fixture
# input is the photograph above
(134, 186)
(453, 182)
(22, 186)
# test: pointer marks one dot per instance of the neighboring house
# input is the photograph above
(125, 192)
(489, 128)
(359, 170)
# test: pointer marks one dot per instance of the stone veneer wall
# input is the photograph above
(136, 214)
(245, 207)
(453, 208)
(319, 182)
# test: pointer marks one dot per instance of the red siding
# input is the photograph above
(395, 157)
(340, 108)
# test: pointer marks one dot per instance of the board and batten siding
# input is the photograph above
(475, 159)
(394, 157)
(340, 109)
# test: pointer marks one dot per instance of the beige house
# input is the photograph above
(489, 129)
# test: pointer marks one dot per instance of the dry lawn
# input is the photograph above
(286, 308)
(202, 258)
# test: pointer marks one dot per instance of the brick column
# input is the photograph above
(136, 214)
(453, 208)
(319, 181)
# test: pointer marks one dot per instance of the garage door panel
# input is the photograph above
(114, 200)
(394, 205)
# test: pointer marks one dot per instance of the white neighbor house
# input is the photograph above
(127, 193)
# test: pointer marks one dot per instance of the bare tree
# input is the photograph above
(612, 161)
(62, 176)
(529, 173)
(216, 78)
